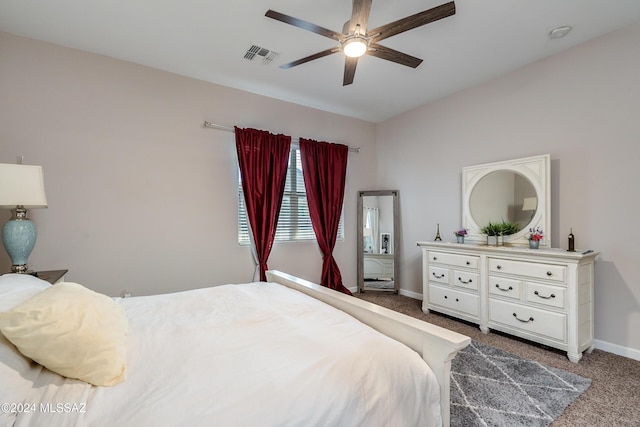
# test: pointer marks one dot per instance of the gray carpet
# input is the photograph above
(490, 387)
(613, 400)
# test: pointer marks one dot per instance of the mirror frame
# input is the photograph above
(537, 170)
(396, 239)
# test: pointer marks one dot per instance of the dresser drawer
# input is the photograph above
(456, 260)
(552, 296)
(454, 300)
(466, 280)
(534, 270)
(438, 274)
(504, 287)
(537, 321)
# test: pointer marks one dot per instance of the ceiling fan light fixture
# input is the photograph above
(355, 47)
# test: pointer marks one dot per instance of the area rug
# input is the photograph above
(491, 387)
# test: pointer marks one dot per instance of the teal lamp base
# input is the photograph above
(19, 238)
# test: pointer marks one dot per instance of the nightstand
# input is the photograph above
(51, 276)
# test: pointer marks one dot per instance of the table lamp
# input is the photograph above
(21, 188)
(530, 204)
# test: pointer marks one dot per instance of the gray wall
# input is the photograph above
(581, 107)
(141, 196)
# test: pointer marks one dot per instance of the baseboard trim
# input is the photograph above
(410, 294)
(631, 353)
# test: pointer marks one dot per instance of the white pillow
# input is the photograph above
(17, 288)
(73, 331)
(18, 373)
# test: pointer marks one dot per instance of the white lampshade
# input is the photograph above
(354, 47)
(530, 204)
(21, 185)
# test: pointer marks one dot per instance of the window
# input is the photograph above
(294, 222)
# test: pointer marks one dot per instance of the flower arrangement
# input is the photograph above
(461, 233)
(535, 234)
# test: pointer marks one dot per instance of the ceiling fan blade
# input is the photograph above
(349, 70)
(310, 58)
(413, 21)
(393, 55)
(303, 24)
(360, 16)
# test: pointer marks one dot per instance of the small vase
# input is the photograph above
(460, 239)
(534, 244)
(492, 240)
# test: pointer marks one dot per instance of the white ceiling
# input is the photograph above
(206, 40)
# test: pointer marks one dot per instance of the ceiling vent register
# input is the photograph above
(256, 53)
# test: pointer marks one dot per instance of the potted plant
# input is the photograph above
(492, 229)
(460, 235)
(495, 231)
(507, 229)
(534, 237)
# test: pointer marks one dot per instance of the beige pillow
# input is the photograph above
(72, 331)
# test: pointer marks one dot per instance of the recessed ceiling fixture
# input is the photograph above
(356, 39)
(559, 32)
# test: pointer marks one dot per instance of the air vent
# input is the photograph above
(256, 53)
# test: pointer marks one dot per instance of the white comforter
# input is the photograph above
(246, 355)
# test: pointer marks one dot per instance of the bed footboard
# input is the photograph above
(436, 345)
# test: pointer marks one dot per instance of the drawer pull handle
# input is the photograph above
(467, 282)
(438, 277)
(504, 290)
(549, 297)
(523, 321)
(549, 273)
(457, 300)
(435, 259)
(499, 267)
(468, 263)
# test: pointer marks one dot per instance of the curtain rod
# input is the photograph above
(230, 129)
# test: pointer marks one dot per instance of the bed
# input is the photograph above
(248, 354)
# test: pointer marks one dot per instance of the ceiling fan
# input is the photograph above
(356, 40)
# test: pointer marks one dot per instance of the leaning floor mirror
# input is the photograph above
(378, 241)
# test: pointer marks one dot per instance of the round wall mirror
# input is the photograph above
(515, 191)
(503, 196)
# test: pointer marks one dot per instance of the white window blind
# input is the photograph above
(294, 223)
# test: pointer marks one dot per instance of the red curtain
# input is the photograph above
(324, 167)
(263, 159)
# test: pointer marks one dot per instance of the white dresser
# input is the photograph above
(543, 295)
(378, 266)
